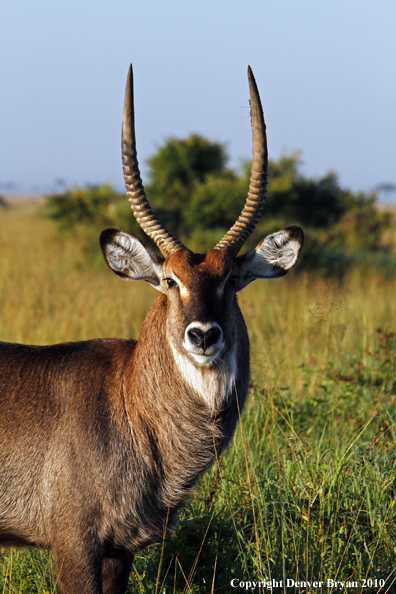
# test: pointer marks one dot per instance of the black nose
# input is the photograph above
(204, 338)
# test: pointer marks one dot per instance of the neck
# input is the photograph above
(180, 416)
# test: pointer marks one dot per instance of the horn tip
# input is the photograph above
(130, 76)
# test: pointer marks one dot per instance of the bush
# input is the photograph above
(96, 207)
(199, 199)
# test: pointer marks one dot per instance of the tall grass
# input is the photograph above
(306, 490)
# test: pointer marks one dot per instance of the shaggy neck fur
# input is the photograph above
(180, 417)
(214, 385)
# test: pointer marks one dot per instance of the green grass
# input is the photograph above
(306, 490)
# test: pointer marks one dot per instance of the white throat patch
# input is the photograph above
(214, 385)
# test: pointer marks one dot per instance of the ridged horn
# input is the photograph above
(151, 225)
(240, 231)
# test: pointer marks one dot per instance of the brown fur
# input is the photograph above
(102, 441)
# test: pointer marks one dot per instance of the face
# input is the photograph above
(200, 290)
(203, 319)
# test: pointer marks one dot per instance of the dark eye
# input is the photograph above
(232, 281)
(170, 282)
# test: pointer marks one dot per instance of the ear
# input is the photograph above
(129, 258)
(272, 257)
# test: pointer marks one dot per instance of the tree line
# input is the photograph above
(198, 197)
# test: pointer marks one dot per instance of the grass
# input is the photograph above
(306, 490)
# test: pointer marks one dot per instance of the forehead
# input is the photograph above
(215, 265)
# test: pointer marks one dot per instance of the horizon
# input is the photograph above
(325, 75)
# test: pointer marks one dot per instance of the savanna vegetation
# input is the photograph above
(306, 491)
(199, 198)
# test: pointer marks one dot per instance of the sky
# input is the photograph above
(325, 71)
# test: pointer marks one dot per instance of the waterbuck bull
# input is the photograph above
(101, 441)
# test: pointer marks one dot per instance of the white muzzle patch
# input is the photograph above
(203, 342)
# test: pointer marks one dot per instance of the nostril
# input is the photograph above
(204, 339)
(196, 336)
(212, 336)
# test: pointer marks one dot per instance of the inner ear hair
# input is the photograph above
(272, 257)
(282, 248)
(129, 258)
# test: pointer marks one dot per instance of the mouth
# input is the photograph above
(204, 358)
(203, 342)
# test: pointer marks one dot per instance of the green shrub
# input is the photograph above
(198, 199)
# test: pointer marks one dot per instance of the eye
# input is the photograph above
(232, 281)
(170, 282)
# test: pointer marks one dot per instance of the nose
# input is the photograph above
(204, 338)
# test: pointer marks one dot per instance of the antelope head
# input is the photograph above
(200, 289)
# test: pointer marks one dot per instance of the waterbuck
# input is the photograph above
(101, 441)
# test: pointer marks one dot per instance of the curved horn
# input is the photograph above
(240, 231)
(151, 225)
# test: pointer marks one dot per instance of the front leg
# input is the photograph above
(115, 573)
(79, 567)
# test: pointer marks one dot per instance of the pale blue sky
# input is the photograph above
(325, 70)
